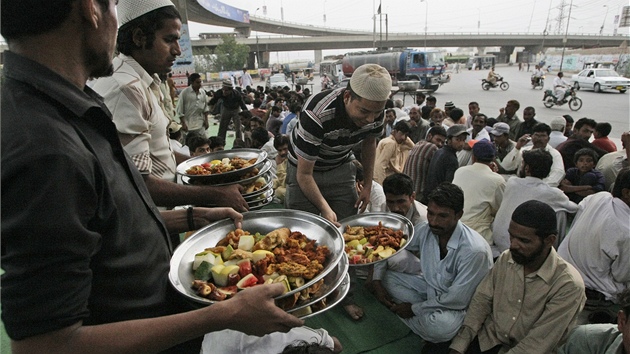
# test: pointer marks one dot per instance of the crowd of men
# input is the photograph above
(518, 224)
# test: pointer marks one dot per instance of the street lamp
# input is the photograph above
(426, 18)
(257, 52)
(601, 29)
(478, 20)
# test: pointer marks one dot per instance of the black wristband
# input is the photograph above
(191, 220)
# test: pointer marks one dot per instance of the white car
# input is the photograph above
(277, 80)
(600, 79)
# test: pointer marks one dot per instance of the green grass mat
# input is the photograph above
(378, 327)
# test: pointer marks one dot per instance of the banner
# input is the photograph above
(184, 64)
(226, 11)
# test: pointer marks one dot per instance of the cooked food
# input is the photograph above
(242, 260)
(367, 244)
(221, 166)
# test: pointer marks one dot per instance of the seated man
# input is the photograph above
(531, 299)
(197, 144)
(392, 152)
(602, 338)
(400, 198)
(452, 259)
(599, 240)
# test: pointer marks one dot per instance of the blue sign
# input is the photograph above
(226, 11)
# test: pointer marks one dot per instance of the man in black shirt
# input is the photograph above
(231, 104)
(444, 162)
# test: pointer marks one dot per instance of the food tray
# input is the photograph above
(333, 299)
(260, 195)
(391, 220)
(263, 221)
(226, 177)
(259, 204)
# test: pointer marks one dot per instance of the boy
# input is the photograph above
(583, 180)
(601, 137)
(198, 145)
(216, 143)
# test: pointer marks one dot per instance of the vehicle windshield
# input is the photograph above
(435, 59)
(277, 78)
(607, 73)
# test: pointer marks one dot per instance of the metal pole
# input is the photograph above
(426, 19)
(601, 29)
(257, 49)
(566, 33)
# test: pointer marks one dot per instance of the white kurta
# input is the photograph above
(598, 244)
(514, 158)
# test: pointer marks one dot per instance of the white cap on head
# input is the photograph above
(371, 82)
(129, 10)
(558, 124)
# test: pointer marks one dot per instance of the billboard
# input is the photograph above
(226, 11)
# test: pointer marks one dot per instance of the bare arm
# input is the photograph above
(251, 311)
(311, 190)
(166, 193)
(177, 220)
(179, 157)
(368, 151)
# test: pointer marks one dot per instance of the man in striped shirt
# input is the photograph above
(320, 174)
(417, 164)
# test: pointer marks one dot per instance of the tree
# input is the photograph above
(203, 58)
(230, 55)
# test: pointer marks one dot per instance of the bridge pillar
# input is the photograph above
(507, 52)
(481, 50)
(251, 60)
(318, 55)
(264, 59)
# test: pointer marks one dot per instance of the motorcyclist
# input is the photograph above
(537, 75)
(560, 87)
(492, 77)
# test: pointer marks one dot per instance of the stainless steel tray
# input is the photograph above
(334, 298)
(229, 176)
(391, 220)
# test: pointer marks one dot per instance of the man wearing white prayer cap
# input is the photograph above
(147, 41)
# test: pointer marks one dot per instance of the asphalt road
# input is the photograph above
(610, 106)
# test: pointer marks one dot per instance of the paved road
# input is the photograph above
(464, 87)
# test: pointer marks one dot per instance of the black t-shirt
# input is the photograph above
(81, 237)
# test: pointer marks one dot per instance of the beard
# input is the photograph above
(523, 259)
(100, 63)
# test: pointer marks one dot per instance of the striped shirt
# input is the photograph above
(326, 134)
(417, 165)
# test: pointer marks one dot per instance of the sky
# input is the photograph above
(409, 16)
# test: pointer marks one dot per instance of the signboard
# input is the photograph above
(184, 64)
(226, 11)
(625, 17)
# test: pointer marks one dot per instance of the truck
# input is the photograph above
(481, 62)
(427, 67)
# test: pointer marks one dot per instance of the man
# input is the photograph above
(583, 129)
(539, 140)
(431, 103)
(478, 129)
(198, 145)
(390, 117)
(82, 234)
(320, 174)
(448, 107)
(274, 123)
(569, 130)
(392, 152)
(231, 104)
(148, 45)
(560, 87)
(599, 239)
(492, 77)
(417, 124)
(420, 97)
(508, 115)
(536, 166)
(192, 107)
(611, 163)
(557, 125)
(503, 144)
(432, 296)
(483, 189)
(257, 111)
(473, 109)
(444, 162)
(291, 119)
(246, 79)
(531, 299)
(528, 123)
(537, 75)
(400, 198)
(602, 338)
(417, 164)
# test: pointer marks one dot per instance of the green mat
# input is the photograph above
(378, 328)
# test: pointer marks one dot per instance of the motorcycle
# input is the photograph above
(570, 97)
(540, 83)
(486, 85)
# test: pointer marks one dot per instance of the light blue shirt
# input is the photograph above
(594, 338)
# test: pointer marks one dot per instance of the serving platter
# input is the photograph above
(333, 299)
(259, 157)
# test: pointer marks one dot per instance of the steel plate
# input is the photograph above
(260, 195)
(229, 176)
(391, 220)
(263, 221)
(333, 299)
(257, 205)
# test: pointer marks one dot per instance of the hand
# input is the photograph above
(206, 125)
(184, 125)
(209, 215)
(403, 310)
(227, 196)
(253, 311)
(331, 216)
(364, 198)
(522, 141)
(625, 140)
(501, 111)
(381, 294)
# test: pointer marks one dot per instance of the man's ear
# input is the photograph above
(139, 38)
(550, 240)
(622, 321)
(90, 11)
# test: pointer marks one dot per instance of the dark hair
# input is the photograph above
(537, 215)
(298, 87)
(420, 94)
(621, 182)
(603, 128)
(436, 130)
(276, 109)
(585, 121)
(304, 347)
(514, 103)
(568, 118)
(402, 127)
(485, 117)
(193, 141)
(473, 102)
(215, 142)
(281, 140)
(148, 23)
(456, 113)
(583, 152)
(390, 110)
(431, 99)
(258, 120)
(260, 135)
(530, 108)
(192, 78)
(23, 18)
(542, 128)
(257, 103)
(448, 195)
(398, 184)
(295, 106)
(539, 162)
